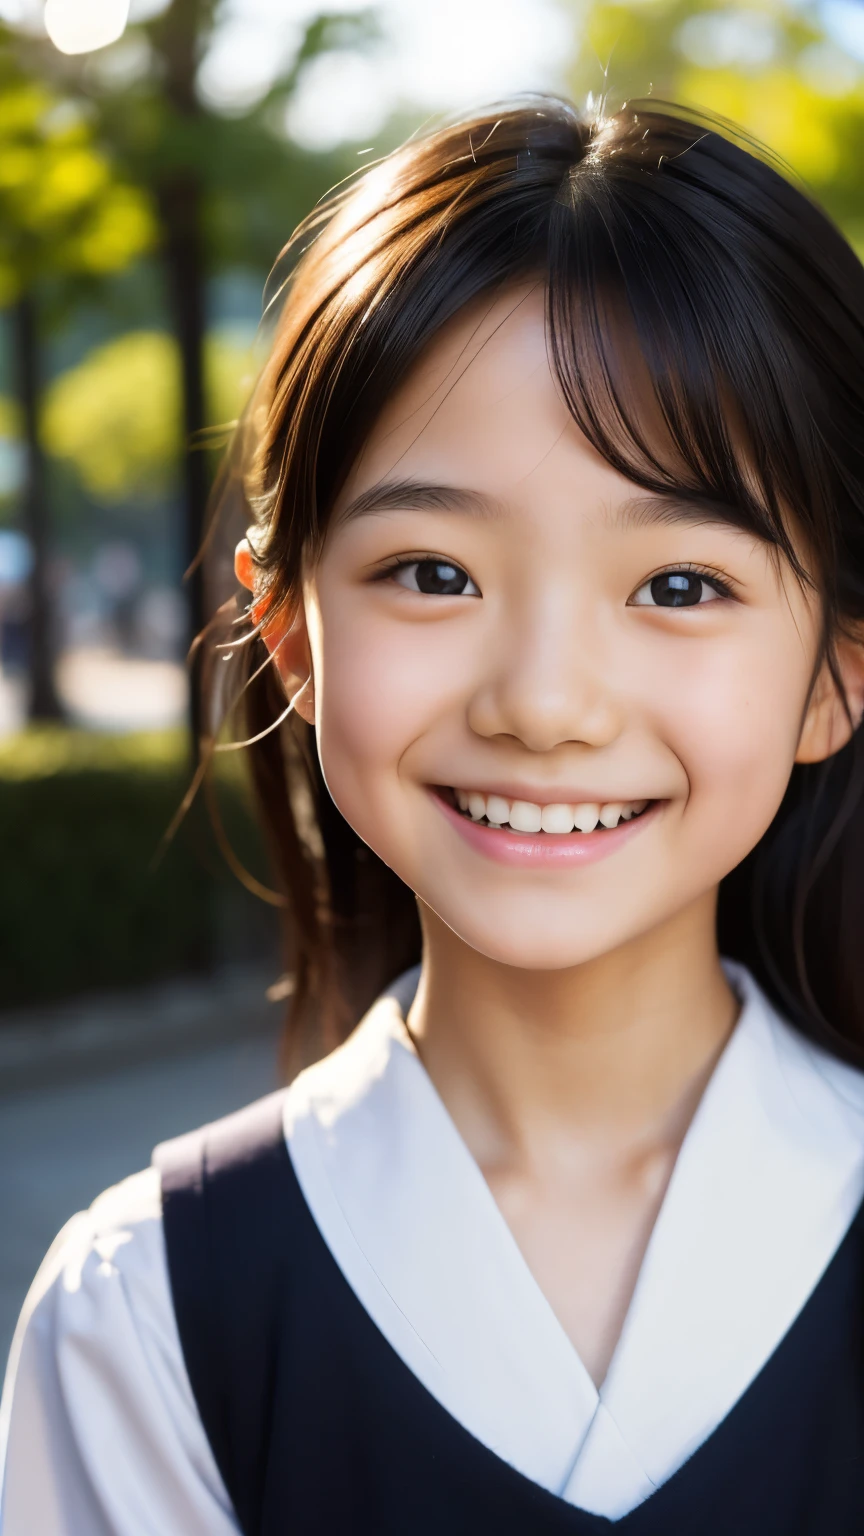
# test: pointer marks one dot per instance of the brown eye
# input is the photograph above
(435, 578)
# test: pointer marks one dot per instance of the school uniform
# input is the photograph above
(312, 1318)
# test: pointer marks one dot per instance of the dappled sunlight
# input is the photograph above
(105, 690)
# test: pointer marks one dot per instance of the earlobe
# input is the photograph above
(244, 565)
(286, 638)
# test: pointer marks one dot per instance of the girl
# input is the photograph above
(555, 484)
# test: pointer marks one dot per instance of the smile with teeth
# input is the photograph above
(526, 816)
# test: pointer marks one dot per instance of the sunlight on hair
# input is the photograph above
(602, 128)
(372, 192)
(237, 746)
(361, 280)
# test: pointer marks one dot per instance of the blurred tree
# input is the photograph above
(63, 211)
(228, 189)
(10, 458)
(116, 417)
(771, 66)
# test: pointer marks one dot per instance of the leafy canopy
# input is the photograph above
(770, 66)
(63, 208)
(116, 417)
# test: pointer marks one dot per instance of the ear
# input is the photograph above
(285, 636)
(826, 726)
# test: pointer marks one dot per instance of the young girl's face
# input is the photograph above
(497, 613)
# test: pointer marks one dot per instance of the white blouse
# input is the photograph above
(103, 1437)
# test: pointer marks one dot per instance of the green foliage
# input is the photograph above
(10, 418)
(256, 184)
(117, 416)
(86, 901)
(62, 206)
(768, 66)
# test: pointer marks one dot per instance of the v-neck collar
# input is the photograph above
(766, 1184)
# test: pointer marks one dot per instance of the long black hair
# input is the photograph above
(658, 235)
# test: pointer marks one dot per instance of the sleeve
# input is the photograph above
(99, 1432)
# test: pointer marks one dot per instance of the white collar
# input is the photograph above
(768, 1179)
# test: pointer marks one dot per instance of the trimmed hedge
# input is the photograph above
(86, 900)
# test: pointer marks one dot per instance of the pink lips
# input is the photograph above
(557, 850)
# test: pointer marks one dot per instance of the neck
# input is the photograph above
(617, 1049)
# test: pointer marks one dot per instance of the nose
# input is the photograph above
(548, 682)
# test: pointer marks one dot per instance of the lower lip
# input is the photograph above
(548, 849)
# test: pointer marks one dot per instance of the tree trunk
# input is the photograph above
(43, 702)
(178, 36)
(180, 211)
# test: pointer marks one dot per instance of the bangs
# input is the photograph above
(704, 321)
(670, 354)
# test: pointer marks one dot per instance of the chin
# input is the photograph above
(531, 945)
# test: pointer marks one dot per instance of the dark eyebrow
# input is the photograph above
(417, 496)
(678, 507)
(673, 508)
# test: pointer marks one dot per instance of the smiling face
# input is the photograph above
(497, 613)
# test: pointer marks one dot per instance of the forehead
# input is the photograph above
(481, 409)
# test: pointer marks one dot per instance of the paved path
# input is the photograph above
(103, 690)
(60, 1145)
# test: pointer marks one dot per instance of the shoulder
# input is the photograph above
(97, 1400)
(237, 1141)
(359, 1081)
(820, 1083)
(121, 1230)
(104, 1270)
(812, 1101)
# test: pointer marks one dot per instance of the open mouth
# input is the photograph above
(558, 819)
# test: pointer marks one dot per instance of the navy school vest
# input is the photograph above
(319, 1428)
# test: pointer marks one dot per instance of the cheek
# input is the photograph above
(374, 699)
(734, 726)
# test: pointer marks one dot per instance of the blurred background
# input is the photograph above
(154, 159)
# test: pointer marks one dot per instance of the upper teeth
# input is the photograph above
(525, 816)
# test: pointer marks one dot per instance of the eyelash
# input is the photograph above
(721, 585)
(404, 563)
